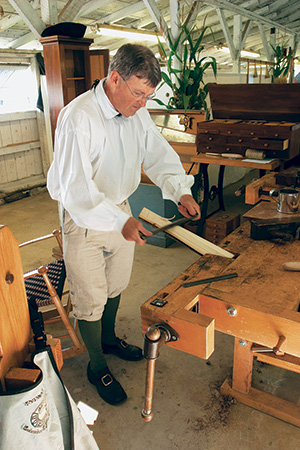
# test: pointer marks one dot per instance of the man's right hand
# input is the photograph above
(133, 229)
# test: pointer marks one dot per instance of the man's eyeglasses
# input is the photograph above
(139, 96)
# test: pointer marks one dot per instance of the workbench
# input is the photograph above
(206, 192)
(259, 308)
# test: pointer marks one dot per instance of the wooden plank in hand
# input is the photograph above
(196, 243)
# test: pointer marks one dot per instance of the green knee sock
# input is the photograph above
(108, 320)
(91, 335)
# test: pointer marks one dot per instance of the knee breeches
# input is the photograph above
(98, 265)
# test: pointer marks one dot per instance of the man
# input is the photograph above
(102, 138)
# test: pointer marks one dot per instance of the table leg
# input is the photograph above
(201, 194)
(220, 188)
(242, 366)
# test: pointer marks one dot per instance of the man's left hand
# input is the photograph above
(189, 207)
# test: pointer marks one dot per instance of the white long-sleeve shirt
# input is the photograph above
(97, 161)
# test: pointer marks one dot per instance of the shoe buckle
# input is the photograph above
(123, 344)
(106, 380)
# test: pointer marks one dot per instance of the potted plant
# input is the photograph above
(283, 59)
(186, 68)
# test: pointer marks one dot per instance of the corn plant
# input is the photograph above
(282, 61)
(189, 91)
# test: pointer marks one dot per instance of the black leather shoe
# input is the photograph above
(108, 387)
(124, 350)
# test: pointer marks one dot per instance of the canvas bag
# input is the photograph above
(43, 416)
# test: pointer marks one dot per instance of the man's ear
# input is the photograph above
(114, 78)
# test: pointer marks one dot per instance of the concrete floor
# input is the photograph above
(189, 412)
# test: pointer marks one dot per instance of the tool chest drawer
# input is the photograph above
(252, 117)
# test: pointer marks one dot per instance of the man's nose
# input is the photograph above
(142, 101)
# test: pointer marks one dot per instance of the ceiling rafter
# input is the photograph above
(70, 10)
(49, 11)
(157, 17)
(125, 12)
(29, 15)
(91, 6)
(224, 4)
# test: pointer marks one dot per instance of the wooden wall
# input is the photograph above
(21, 157)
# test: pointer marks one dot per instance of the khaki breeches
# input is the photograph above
(98, 265)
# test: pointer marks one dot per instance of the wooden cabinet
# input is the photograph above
(99, 60)
(68, 74)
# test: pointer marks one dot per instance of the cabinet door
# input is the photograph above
(67, 66)
(99, 62)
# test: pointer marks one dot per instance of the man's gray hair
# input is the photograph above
(138, 60)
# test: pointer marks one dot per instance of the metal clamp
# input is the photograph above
(156, 335)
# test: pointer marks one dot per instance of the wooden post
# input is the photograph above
(242, 366)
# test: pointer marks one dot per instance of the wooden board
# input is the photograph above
(188, 238)
(15, 330)
(266, 403)
(202, 158)
(255, 101)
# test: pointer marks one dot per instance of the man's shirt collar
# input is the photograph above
(108, 109)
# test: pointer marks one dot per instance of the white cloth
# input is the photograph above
(43, 416)
(97, 161)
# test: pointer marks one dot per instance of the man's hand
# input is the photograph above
(133, 229)
(189, 207)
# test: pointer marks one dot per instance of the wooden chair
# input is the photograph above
(46, 284)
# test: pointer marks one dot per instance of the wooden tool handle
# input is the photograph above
(292, 266)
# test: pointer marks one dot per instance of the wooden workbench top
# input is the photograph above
(261, 279)
(262, 284)
(264, 297)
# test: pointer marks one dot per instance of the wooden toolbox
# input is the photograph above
(263, 118)
(220, 225)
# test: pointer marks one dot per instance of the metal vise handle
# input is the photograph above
(156, 335)
(276, 349)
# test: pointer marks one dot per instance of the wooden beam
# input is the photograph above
(226, 32)
(25, 39)
(49, 12)
(266, 44)
(245, 33)
(237, 41)
(157, 17)
(70, 10)
(192, 16)
(196, 243)
(126, 29)
(91, 6)
(175, 20)
(22, 147)
(124, 12)
(267, 403)
(229, 6)
(30, 16)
